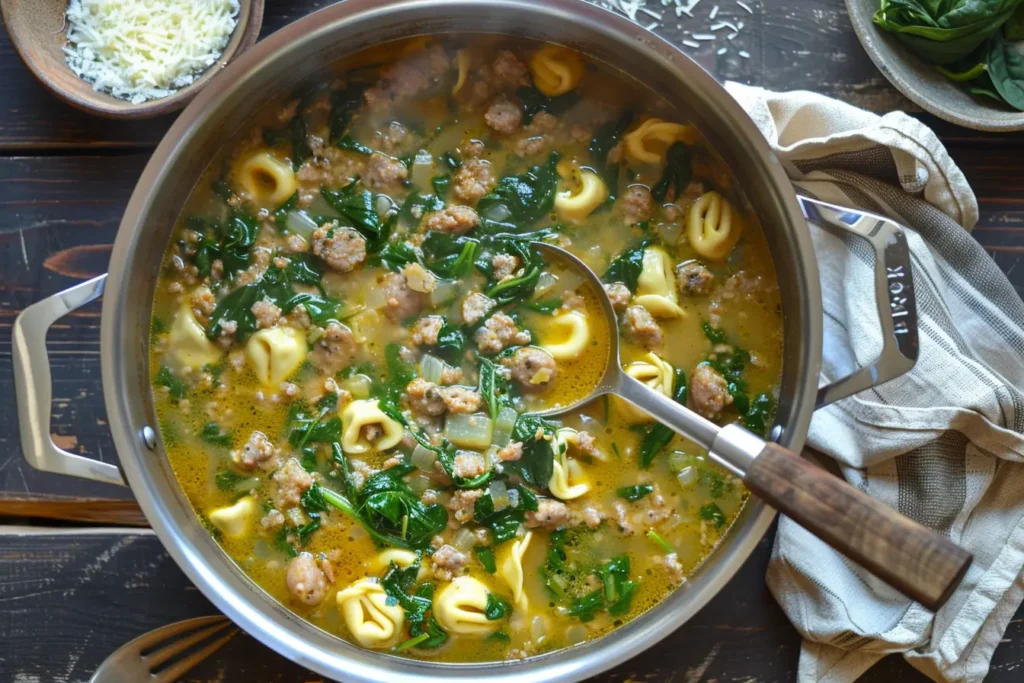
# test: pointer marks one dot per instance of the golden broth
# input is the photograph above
(692, 502)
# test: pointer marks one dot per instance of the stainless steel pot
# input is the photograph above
(278, 65)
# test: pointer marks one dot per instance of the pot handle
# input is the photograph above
(33, 390)
(894, 295)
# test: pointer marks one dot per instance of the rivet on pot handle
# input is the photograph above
(894, 293)
(34, 391)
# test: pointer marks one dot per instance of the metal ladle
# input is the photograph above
(915, 560)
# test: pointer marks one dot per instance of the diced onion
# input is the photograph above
(383, 204)
(687, 476)
(469, 431)
(422, 169)
(677, 460)
(418, 483)
(319, 207)
(504, 425)
(357, 385)
(498, 212)
(464, 540)
(576, 633)
(545, 282)
(669, 232)
(499, 494)
(300, 223)
(513, 497)
(444, 292)
(431, 368)
(423, 458)
(538, 629)
(295, 516)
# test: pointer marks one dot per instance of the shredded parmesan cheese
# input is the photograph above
(141, 50)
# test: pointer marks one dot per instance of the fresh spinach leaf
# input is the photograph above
(1006, 69)
(944, 31)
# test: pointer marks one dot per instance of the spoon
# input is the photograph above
(911, 558)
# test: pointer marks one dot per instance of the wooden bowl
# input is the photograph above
(922, 83)
(38, 31)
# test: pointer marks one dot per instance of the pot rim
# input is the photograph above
(223, 582)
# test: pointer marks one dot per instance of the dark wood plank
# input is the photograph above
(58, 218)
(70, 599)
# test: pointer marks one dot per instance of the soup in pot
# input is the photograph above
(353, 336)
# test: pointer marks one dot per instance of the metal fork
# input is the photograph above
(143, 659)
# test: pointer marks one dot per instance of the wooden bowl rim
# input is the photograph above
(106, 105)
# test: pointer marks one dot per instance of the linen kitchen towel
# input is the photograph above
(944, 444)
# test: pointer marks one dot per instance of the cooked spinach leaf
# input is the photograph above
(710, 512)
(358, 207)
(655, 436)
(230, 242)
(627, 266)
(606, 137)
(166, 378)
(213, 433)
(496, 608)
(486, 556)
(535, 101)
(520, 200)
(677, 174)
(537, 462)
(635, 492)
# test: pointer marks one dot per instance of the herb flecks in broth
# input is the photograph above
(354, 335)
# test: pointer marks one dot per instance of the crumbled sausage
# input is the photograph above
(550, 514)
(424, 397)
(258, 451)
(462, 504)
(673, 569)
(451, 374)
(408, 77)
(461, 399)
(709, 392)
(391, 140)
(533, 368)
(306, 581)
(693, 278)
(587, 444)
(272, 520)
(543, 122)
(400, 301)
(292, 481)
(622, 518)
(504, 266)
(426, 329)
(453, 220)
(473, 180)
(342, 249)
(469, 464)
(203, 303)
(475, 307)
(498, 333)
(510, 71)
(335, 349)
(592, 516)
(266, 312)
(384, 174)
(447, 562)
(641, 326)
(636, 204)
(504, 116)
(619, 295)
(511, 451)
(533, 144)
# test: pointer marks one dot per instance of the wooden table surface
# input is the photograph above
(73, 591)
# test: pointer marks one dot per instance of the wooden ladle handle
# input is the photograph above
(915, 560)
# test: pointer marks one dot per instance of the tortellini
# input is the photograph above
(652, 138)
(655, 373)
(586, 192)
(274, 354)
(712, 227)
(656, 286)
(373, 619)
(363, 416)
(510, 567)
(234, 521)
(187, 342)
(566, 482)
(567, 336)
(402, 558)
(556, 70)
(459, 608)
(266, 179)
